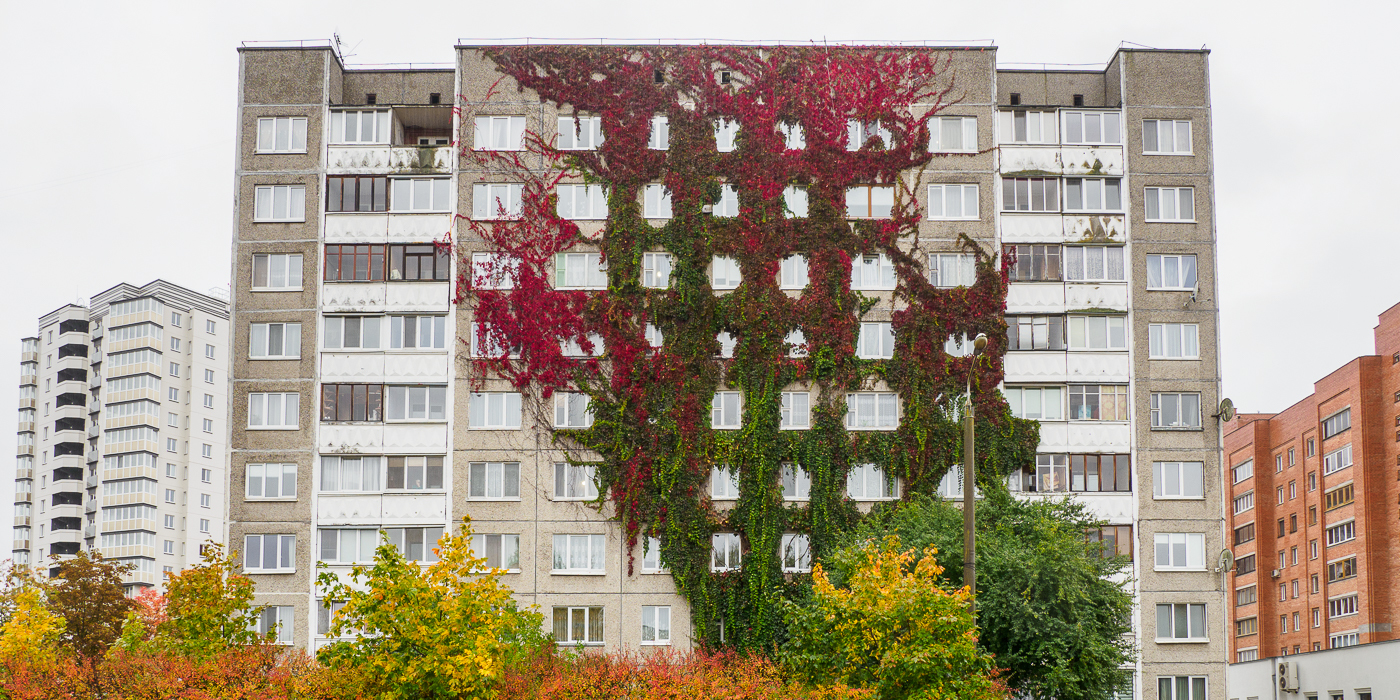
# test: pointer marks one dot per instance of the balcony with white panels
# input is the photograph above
(1083, 436)
(386, 228)
(1026, 227)
(1038, 366)
(1052, 161)
(394, 368)
(1093, 228)
(383, 159)
(391, 297)
(1097, 367)
(380, 438)
(1096, 296)
(1035, 298)
(381, 509)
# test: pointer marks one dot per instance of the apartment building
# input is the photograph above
(1314, 532)
(123, 430)
(1098, 183)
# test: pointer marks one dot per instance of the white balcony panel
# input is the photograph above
(415, 438)
(357, 228)
(1035, 298)
(1054, 436)
(417, 296)
(419, 228)
(344, 509)
(1092, 160)
(420, 159)
(1097, 437)
(353, 296)
(1092, 367)
(1020, 227)
(1041, 366)
(415, 508)
(357, 159)
(1091, 228)
(1116, 507)
(352, 367)
(415, 368)
(1096, 296)
(1031, 161)
(352, 439)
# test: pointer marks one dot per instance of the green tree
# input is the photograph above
(894, 627)
(209, 607)
(1048, 606)
(87, 592)
(447, 630)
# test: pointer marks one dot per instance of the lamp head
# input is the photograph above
(979, 344)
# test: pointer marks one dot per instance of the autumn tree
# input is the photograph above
(209, 607)
(449, 629)
(1048, 605)
(87, 592)
(894, 626)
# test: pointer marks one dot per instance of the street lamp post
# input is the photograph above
(970, 478)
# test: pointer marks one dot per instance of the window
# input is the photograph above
(1027, 127)
(1030, 194)
(1339, 570)
(581, 202)
(421, 263)
(1181, 622)
(656, 270)
(796, 482)
(1172, 341)
(209, 351)
(572, 410)
(1242, 471)
(590, 345)
(1312, 515)
(794, 137)
(1094, 263)
(1034, 263)
(1183, 551)
(416, 403)
(651, 558)
(1244, 502)
(277, 271)
(499, 551)
(1292, 457)
(726, 131)
(1244, 533)
(660, 137)
(1098, 333)
(1247, 627)
(947, 270)
(277, 622)
(1098, 402)
(1165, 136)
(206, 475)
(416, 543)
(1093, 194)
(872, 411)
(494, 271)
(953, 202)
(170, 522)
(725, 273)
(580, 271)
(1114, 540)
(274, 341)
(347, 546)
(726, 410)
(952, 135)
(1343, 532)
(1345, 639)
(268, 554)
(578, 625)
(492, 481)
(174, 342)
(1247, 595)
(279, 203)
(876, 341)
(1093, 128)
(726, 343)
(1037, 403)
(414, 473)
(360, 126)
(349, 474)
(170, 495)
(724, 483)
(1341, 496)
(494, 201)
(273, 411)
(656, 624)
(174, 369)
(724, 551)
(796, 553)
(1035, 333)
(728, 204)
(1099, 472)
(282, 135)
(494, 411)
(869, 202)
(1312, 444)
(868, 482)
(504, 133)
(357, 193)
(1176, 411)
(792, 274)
(1312, 546)
(580, 133)
(858, 133)
(1336, 460)
(654, 337)
(1245, 564)
(1170, 204)
(575, 482)
(579, 554)
(209, 326)
(1335, 424)
(656, 202)
(872, 272)
(1171, 272)
(795, 202)
(1341, 607)
(796, 410)
(1251, 654)
(421, 332)
(354, 263)
(168, 547)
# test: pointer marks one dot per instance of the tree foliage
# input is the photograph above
(1050, 607)
(209, 608)
(87, 592)
(446, 630)
(894, 627)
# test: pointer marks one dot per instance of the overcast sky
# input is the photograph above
(119, 119)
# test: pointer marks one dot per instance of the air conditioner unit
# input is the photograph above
(1278, 573)
(1288, 676)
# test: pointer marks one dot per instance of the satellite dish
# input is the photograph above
(1225, 562)
(1227, 410)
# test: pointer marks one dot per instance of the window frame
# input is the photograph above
(284, 564)
(290, 400)
(485, 483)
(294, 200)
(939, 192)
(966, 129)
(267, 270)
(800, 546)
(506, 404)
(1109, 188)
(660, 635)
(852, 195)
(287, 341)
(1105, 117)
(1154, 197)
(1161, 269)
(296, 128)
(1162, 331)
(1173, 620)
(375, 201)
(1160, 480)
(286, 469)
(1176, 137)
(485, 130)
(1156, 408)
(507, 209)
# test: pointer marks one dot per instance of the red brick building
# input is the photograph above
(1313, 511)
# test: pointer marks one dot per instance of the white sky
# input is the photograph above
(119, 123)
